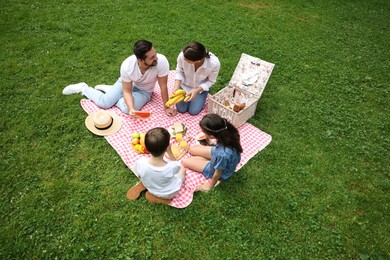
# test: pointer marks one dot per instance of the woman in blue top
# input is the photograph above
(219, 162)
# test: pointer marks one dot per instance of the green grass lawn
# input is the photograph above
(320, 190)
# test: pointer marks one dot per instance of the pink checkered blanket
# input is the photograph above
(253, 140)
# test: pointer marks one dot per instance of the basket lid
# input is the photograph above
(251, 74)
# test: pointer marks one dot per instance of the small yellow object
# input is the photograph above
(183, 144)
(175, 151)
(137, 148)
(135, 141)
(186, 98)
(142, 139)
(177, 93)
(142, 149)
(174, 100)
(179, 137)
(135, 135)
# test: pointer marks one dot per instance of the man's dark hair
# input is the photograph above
(141, 47)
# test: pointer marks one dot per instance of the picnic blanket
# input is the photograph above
(253, 139)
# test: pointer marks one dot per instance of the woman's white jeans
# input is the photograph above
(114, 96)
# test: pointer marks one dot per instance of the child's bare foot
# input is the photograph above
(206, 186)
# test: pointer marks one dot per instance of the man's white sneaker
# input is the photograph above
(74, 88)
(103, 88)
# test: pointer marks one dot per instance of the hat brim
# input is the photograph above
(115, 127)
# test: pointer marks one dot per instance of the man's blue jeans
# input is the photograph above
(115, 97)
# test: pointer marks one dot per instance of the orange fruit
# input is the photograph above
(142, 149)
(137, 148)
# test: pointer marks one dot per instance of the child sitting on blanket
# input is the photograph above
(161, 178)
(219, 162)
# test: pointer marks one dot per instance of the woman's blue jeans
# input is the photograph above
(195, 106)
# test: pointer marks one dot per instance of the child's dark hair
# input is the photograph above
(195, 51)
(226, 133)
(157, 141)
(141, 47)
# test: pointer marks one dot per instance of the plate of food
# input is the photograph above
(176, 128)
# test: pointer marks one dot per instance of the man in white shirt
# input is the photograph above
(138, 76)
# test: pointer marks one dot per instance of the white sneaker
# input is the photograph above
(104, 88)
(74, 88)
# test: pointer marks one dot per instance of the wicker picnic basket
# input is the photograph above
(237, 102)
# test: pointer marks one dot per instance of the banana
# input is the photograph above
(175, 97)
(180, 92)
(174, 100)
(186, 98)
(177, 93)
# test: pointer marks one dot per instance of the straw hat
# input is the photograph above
(103, 122)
